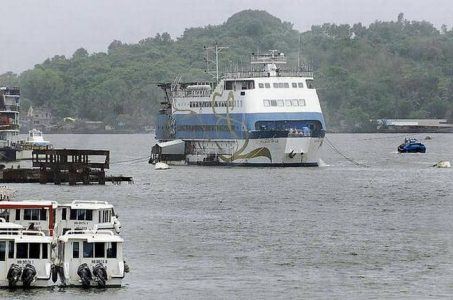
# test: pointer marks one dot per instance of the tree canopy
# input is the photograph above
(397, 69)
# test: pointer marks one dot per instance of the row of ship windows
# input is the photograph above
(287, 102)
(284, 85)
(96, 250)
(24, 250)
(216, 103)
(203, 128)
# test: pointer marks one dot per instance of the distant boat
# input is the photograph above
(411, 146)
(35, 139)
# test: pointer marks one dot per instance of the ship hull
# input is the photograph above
(276, 152)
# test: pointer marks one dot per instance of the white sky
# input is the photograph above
(33, 30)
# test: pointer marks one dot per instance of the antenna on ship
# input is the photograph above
(298, 55)
(215, 50)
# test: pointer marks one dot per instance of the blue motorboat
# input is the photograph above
(411, 146)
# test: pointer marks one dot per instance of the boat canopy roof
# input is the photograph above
(25, 236)
(8, 225)
(27, 204)
(91, 236)
(88, 204)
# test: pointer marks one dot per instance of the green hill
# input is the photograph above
(400, 69)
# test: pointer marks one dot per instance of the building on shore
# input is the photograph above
(414, 125)
(37, 118)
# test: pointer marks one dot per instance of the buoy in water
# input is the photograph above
(161, 166)
(443, 164)
(428, 137)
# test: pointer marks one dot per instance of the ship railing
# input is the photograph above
(260, 74)
(267, 59)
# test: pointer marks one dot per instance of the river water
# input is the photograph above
(380, 229)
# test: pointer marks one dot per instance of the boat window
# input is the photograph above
(35, 214)
(229, 85)
(17, 214)
(267, 85)
(82, 214)
(288, 102)
(22, 250)
(286, 85)
(266, 103)
(261, 85)
(294, 84)
(2, 251)
(311, 128)
(295, 102)
(45, 252)
(63, 214)
(87, 249)
(248, 84)
(310, 83)
(75, 249)
(43, 214)
(89, 215)
(280, 103)
(273, 102)
(11, 249)
(34, 250)
(301, 102)
(99, 250)
(275, 85)
(300, 84)
(111, 250)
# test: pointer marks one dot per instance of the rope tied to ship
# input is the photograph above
(351, 160)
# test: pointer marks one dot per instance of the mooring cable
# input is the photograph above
(343, 155)
(130, 160)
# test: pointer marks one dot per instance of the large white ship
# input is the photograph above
(265, 116)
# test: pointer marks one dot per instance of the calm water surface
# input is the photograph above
(338, 231)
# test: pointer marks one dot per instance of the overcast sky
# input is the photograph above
(33, 30)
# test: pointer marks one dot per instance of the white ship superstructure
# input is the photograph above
(263, 116)
(9, 122)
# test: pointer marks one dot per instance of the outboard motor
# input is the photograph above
(13, 276)
(85, 275)
(28, 275)
(54, 273)
(100, 274)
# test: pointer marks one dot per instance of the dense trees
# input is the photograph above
(399, 69)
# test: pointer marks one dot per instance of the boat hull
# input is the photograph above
(274, 152)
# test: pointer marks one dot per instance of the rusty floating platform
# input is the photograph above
(64, 166)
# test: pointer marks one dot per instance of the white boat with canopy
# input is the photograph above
(91, 257)
(25, 257)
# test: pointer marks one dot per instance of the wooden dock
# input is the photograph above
(64, 166)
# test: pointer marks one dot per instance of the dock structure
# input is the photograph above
(71, 165)
(414, 125)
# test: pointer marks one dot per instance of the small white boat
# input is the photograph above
(25, 257)
(86, 215)
(35, 139)
(55, 219)
(161, 166)
(91, 257)
(442, 164)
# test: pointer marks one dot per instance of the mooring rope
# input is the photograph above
(130, 160)
(343, 155)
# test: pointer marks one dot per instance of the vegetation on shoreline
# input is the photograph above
(398, 69)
